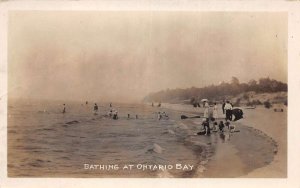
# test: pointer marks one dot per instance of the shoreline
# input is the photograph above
(240, 151)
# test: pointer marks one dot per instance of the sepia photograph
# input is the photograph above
(147, 94)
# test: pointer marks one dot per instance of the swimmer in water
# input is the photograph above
(64, 109)
(115, 115)
(95, 108)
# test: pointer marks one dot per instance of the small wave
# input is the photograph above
(157, 148)
(48, 129)
(72, 122)
(70, 136)
(197, 122)
(58, 151)
(183, 126)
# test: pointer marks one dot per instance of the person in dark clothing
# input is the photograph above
(228, 111)
(115, 115)
(206, 128)
(227, 124)
(64, 109)
(221, 126)
(95, 108)
(223, 105)
(238, 114)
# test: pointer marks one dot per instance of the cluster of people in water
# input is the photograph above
(112, 113)
(162, 115)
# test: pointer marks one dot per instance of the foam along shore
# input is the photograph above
(257, 125)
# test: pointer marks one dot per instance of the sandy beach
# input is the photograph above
(236, 157)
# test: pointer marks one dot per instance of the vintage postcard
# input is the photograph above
(146, 93)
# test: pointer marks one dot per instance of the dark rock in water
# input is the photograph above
(72, 122)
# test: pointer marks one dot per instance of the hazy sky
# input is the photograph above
(122, 56)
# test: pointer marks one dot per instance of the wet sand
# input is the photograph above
(274, 124)
(259, 150)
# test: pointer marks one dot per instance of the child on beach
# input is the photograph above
(215, 127)
(227, 124)
(230, 126)
(221, 126)
(205, 127)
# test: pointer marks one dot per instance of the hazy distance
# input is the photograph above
(122, 56)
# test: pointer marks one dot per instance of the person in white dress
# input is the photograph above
(206, 110)
(215, 111)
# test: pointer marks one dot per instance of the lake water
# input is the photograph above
(43, 142)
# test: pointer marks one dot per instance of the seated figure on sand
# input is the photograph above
(221, 126)
(230, 126)
(205, 127)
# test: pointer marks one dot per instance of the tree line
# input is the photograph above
(217, 92)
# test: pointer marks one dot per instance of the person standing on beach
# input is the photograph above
(228, 111)
(206, 109)
(215, 111)
(64, 109)
(110, 105)
(223, 106)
